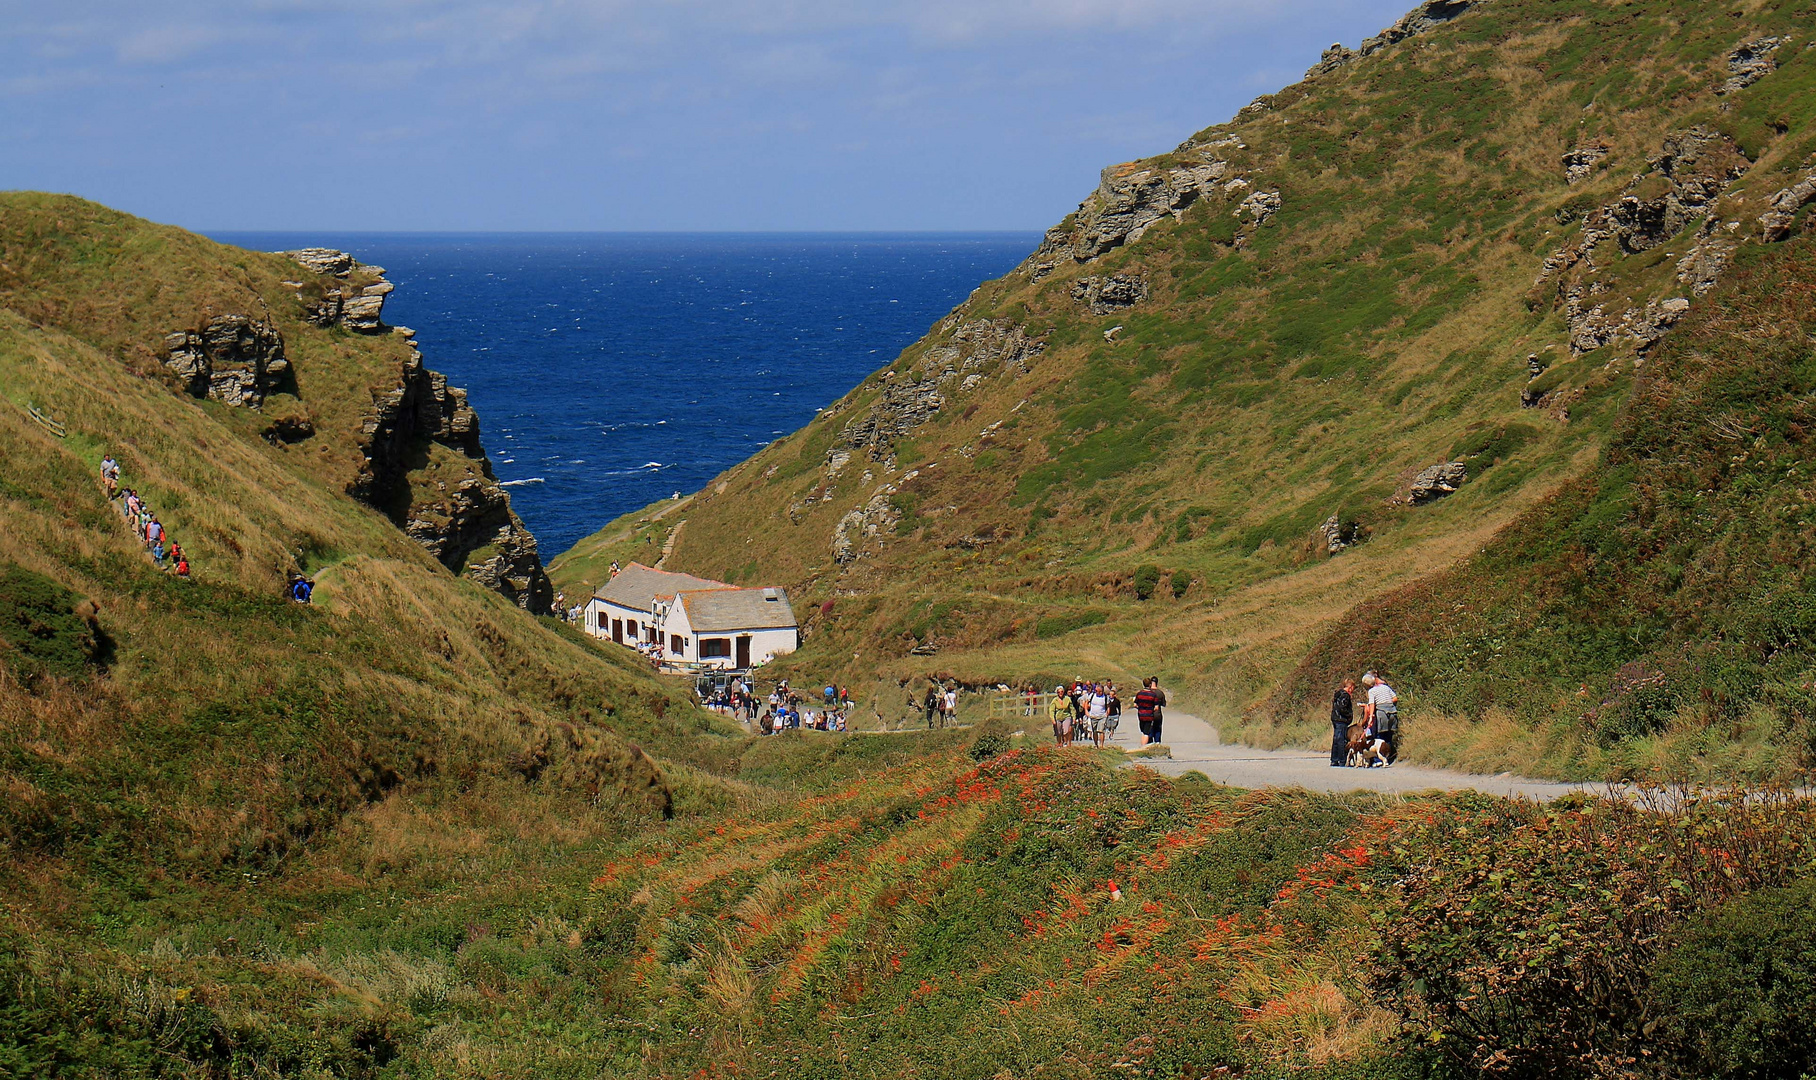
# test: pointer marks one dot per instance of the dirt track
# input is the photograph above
(1195, 746)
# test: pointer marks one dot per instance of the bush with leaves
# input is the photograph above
(1526, 934)
(1147, 576)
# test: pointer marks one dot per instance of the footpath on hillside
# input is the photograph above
(1196, 747)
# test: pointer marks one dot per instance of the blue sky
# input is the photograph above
(612, 115)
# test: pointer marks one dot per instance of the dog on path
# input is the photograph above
(1366, 749)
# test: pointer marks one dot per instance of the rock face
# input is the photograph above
(1775, 224)
(1427, 16)
(1750, 63)
(864, 523)
(1580, 161)
(1687, 179)
(1438, 481)
(1127, 202)
(1338, 534)
(356, 307)
(233, 359)
(1107, 295)
(453, 520)
(972, 351)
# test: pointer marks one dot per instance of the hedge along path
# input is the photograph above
(1197, 748)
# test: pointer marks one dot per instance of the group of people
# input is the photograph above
(165, 552)
(939, 703)
(1092, 709)
(787, 711)
(1378, 741)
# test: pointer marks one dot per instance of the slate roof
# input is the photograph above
(637, 586)
(719, 610)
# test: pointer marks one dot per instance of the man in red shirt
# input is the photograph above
(1150, 705)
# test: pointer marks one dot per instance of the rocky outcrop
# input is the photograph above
(1750, 63)
(863, 524)
(1427, 16)
(1128, 201)
(905, 404)
(1775, 223)
(1688, 177)
(970, 352)
(466, 522)
(1108, 295)
(1438, 481)
(356, 305)
(233, 359)
(1338, 534)
(1260, 206)
(1580, 161)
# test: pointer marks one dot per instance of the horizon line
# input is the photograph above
(628, 232)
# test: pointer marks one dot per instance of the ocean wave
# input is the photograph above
(517, 483)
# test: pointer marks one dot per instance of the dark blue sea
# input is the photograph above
(612, 370)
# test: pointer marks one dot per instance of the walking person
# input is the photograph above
(1059, 710)
(1150, 710)
(110, 475)
(1383, 714)
(949, 706)
(931, 703)
(1097, 714)
(1342, 712)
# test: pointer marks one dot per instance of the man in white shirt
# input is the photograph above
(1383, 713)
(1097, 711)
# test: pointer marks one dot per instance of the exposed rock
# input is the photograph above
(904, 406)
(1750, 63)
(986, 345)
(1693, 168)
(357, 307)
(1535, 365)
(863, 524)
(233, 359)
(1438, 481)
(1775, 224)
(1260, 205)
(1128, 201)
(1106, 295)
(1338, 534)
(1697, 164)
(288, 430)
(1702, 266)
(325, 260)
(1110, 334)
(1580, 161)
(1330, 60)
(1427, 16)
(457, 519)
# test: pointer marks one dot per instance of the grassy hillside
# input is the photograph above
(1658, 612)
(1347, 292)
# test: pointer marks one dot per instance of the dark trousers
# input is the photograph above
(1154, 728)
(1339, 743)
(1392, 749)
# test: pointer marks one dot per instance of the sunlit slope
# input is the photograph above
(1276, 327)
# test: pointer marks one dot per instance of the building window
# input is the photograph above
(714, 646)
(677, 644)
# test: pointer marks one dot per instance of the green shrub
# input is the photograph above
(1182, 580)
(1146, 578)
(1738, 992)
(41, 632)
(1060, 625)
(988, 745)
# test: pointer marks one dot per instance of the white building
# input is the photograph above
(694, 621)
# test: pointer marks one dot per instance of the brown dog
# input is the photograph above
(1366, 749)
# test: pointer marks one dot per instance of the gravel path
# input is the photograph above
(1195, 746)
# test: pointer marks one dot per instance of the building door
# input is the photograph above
(618, 631)
(744, 651)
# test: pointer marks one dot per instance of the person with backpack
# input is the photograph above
(110, 475)
(1383, 713)
(931, 703)
(1342, 714)
(1097, 715)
